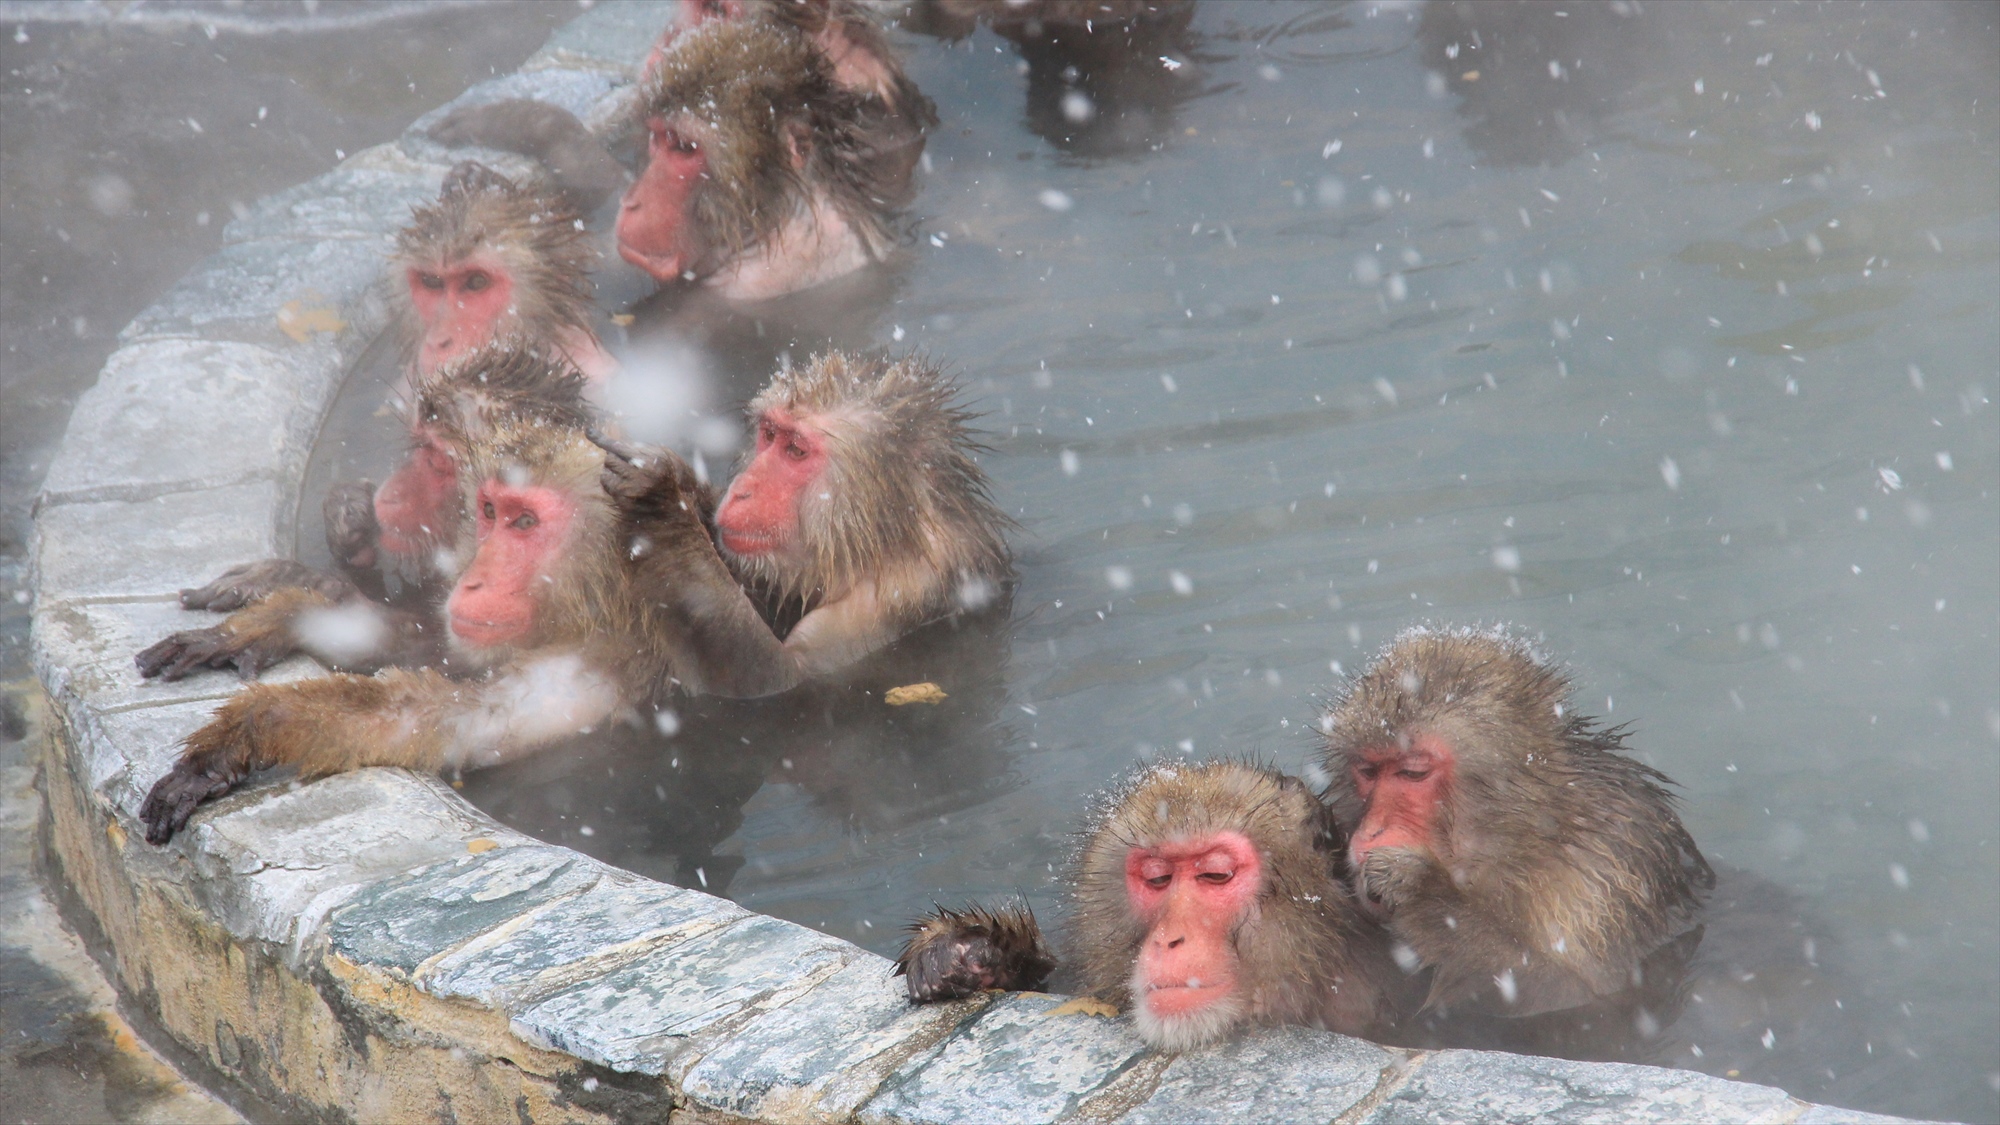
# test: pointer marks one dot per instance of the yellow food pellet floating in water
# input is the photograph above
(481, 845)
(925, 692)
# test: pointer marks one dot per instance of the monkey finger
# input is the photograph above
(623, 450)
(174, 799)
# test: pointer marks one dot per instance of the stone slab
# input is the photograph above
(636, 1019)
(1015, 1062)
(177, 415)
(1268, 1075)
(83, 653)
(155, 547)
(402, 922)
(349, 202)
(819, 1057)
(1474, 1086)
(620, 918)
(1833, 1115)
(616, 38)
(274, 863)
(237, 292)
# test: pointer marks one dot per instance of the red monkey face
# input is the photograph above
(415, 507)
(461, 308)
(521, 530)
(1404, 787)
(1191, 895)
(654, 228)
(760, 516)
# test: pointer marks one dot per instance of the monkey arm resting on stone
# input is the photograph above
(352, 633)
(415, 719)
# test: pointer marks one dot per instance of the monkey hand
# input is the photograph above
(953, 954)
(221, 646)
(1391, 877)
(351, 530)
(250, 583)
(647, 482)
(216, 760)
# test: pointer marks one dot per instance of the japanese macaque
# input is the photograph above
(762, 177)
(1500, 834)
(281, 603)
(491, 260)
(860, 514)
(1206, 897)
(488, 264)
(548, 632)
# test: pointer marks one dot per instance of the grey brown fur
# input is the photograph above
(1558, 863)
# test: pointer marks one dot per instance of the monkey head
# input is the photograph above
(741, 116)
(488, 260)
(419, 509)
(1206, 898)
(540, 531)
(1497, 830)
(863, 470)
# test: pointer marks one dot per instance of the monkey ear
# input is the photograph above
(798, 144)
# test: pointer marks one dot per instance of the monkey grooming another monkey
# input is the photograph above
(760, 177)
(1499, 833)
(548, 628)
(1205, 897)
(860, 511)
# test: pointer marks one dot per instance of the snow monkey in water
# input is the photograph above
(1501, 835)
(1205, 897)
(591, 584)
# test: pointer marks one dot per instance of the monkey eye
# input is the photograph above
(1159, 882)
(430, 281)
(1367, 771)
(795, 451)
(1216, 877)
(477, 280)
(524, 521)
(487, 510)
(1413, 774)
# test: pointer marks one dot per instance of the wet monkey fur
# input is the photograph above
(860, 513)
(547, 632)
(1502, 836)
(1205, 897)
(450, 410)
(761, 176)
(488, 263)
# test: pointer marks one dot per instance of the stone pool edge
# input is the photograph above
(370, 947)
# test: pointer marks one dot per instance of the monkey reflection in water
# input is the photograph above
(1488, 868)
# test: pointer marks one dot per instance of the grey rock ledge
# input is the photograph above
(369, 947)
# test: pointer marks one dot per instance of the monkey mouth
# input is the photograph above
(1182, 997)
(486, 634)
(661, 267)
(748, 542)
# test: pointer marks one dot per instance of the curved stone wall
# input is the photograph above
(370, 947)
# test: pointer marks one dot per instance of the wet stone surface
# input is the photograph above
(1267, 1076)
(1016, 1062)
(1489, 1086)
